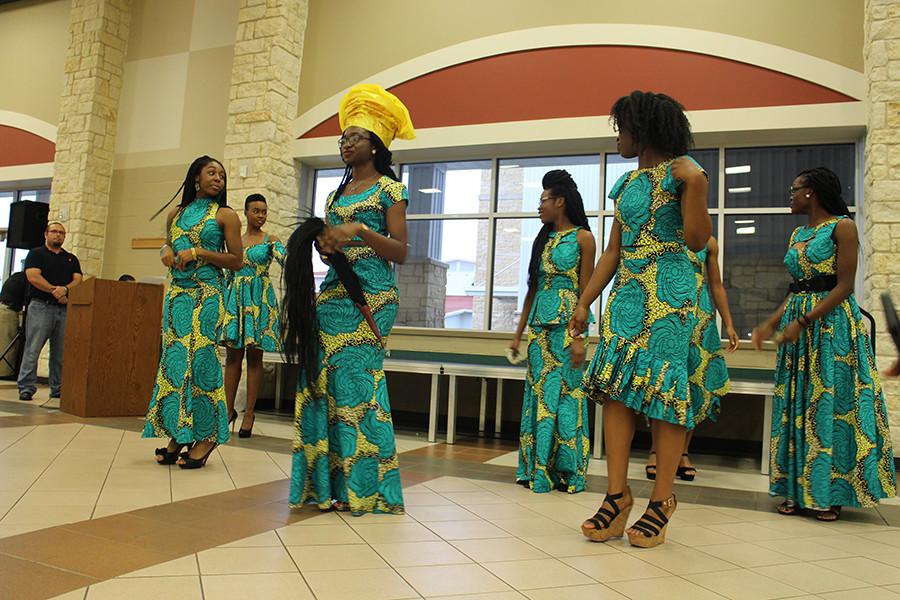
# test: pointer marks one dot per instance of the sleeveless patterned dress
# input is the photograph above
(708, 372)
(344, 449)
(830, 440)
(251, 309)
(642, 358)
(188, 401)
(554, 439)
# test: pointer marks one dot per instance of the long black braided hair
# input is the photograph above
(827, 186)
(561, 185)
(654, 121)
(300, 328)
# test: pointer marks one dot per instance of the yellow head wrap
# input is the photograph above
(373, 108)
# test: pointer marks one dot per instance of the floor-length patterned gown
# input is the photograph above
(251, 309)
(188, 401)
(554, 438)
(830, 440)
(344, 450)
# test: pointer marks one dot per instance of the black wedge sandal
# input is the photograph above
(650, 529)
(608, 523)
(686, 473)
(169, 458)
(650, 470)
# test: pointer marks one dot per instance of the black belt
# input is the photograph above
(819, 283)
(11, 306)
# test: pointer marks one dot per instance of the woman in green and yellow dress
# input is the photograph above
(251, 310)
(641, 363)
(344, 453)
(203, 238)
(554, 440)
(831, 446)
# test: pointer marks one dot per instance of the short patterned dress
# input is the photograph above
(830, 440)
(188, 401)
(646, 329)
(344, 449)
(554, 441)
(708, 372)
(251, 309)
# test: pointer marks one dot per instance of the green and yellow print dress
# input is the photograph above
(554, 441)
(708, 372)
(830, 440)
(188, 401)
(344, 449)
(642, 358)
(251, 309)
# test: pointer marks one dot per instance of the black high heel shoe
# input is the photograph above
(686, 473)
(169, 458)
(232, 419)
(245, 433)
(195, 463)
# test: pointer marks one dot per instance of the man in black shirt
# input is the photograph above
(51, 272)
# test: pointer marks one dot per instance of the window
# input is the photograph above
(472, 224)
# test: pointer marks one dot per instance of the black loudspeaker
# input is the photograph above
(27, 223)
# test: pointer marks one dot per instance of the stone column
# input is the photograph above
(265, 81)
(881, 240)
(86, 137)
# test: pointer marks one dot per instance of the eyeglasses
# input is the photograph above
(60, 231)
(351, 139)
(793, 190)
(545, 199)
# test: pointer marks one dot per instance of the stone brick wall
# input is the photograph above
(86, 138)
(881, 239)
(263, 102)
(423, 289)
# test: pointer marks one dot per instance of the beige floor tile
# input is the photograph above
(870, 593)
(664, 588)
(499, 549)
(502, 511)
(186, 565)
(606, 568)
(400, 532)
(447, 580)
(372, 584)
(427, 514)
(533, 574)
(46, 516)
(318, 535)
(745, 554)
(271, 586)
(467, 530)
(568, 545)
(147, 588)
(74, 595)
(511, 595)
(864, 569)
(451, 484)
(744, 585)
(83, 498)
(323, 518)
(705, 516)
(474, 497)
(420, 554)
(535, 526)
(696, 535)
(805, 549)
(111, 496)
(105, 511)
(680, 560)
(225, 561)
(336, 557)
(811, 578)
(374, 519)
(749, 532)
(267, 539)
(595, 591)
(855, 545)
(890, 537)
(424, 498)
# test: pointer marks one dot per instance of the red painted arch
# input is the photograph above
(20, 147)
(578, 81)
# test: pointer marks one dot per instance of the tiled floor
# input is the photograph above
(469, 532)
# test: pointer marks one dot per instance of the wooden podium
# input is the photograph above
(111, 348)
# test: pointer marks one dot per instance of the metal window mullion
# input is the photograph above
(720, 227)
(601, 218)
(492, 246)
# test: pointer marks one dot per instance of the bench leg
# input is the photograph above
(433, 409)
(482, 408)
(451, 411)
(278, 386)
(767, 435)
(598, 431)
(498, 410)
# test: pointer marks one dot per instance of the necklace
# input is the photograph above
(355, 186)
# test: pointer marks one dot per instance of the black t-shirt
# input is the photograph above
(56, 268)
(14, 289)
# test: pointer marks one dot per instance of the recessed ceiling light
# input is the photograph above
(430, 191)
(740, 190)
(510, 230)
(746, 230)
(744, 222)
(738, 169)
(509, 166)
